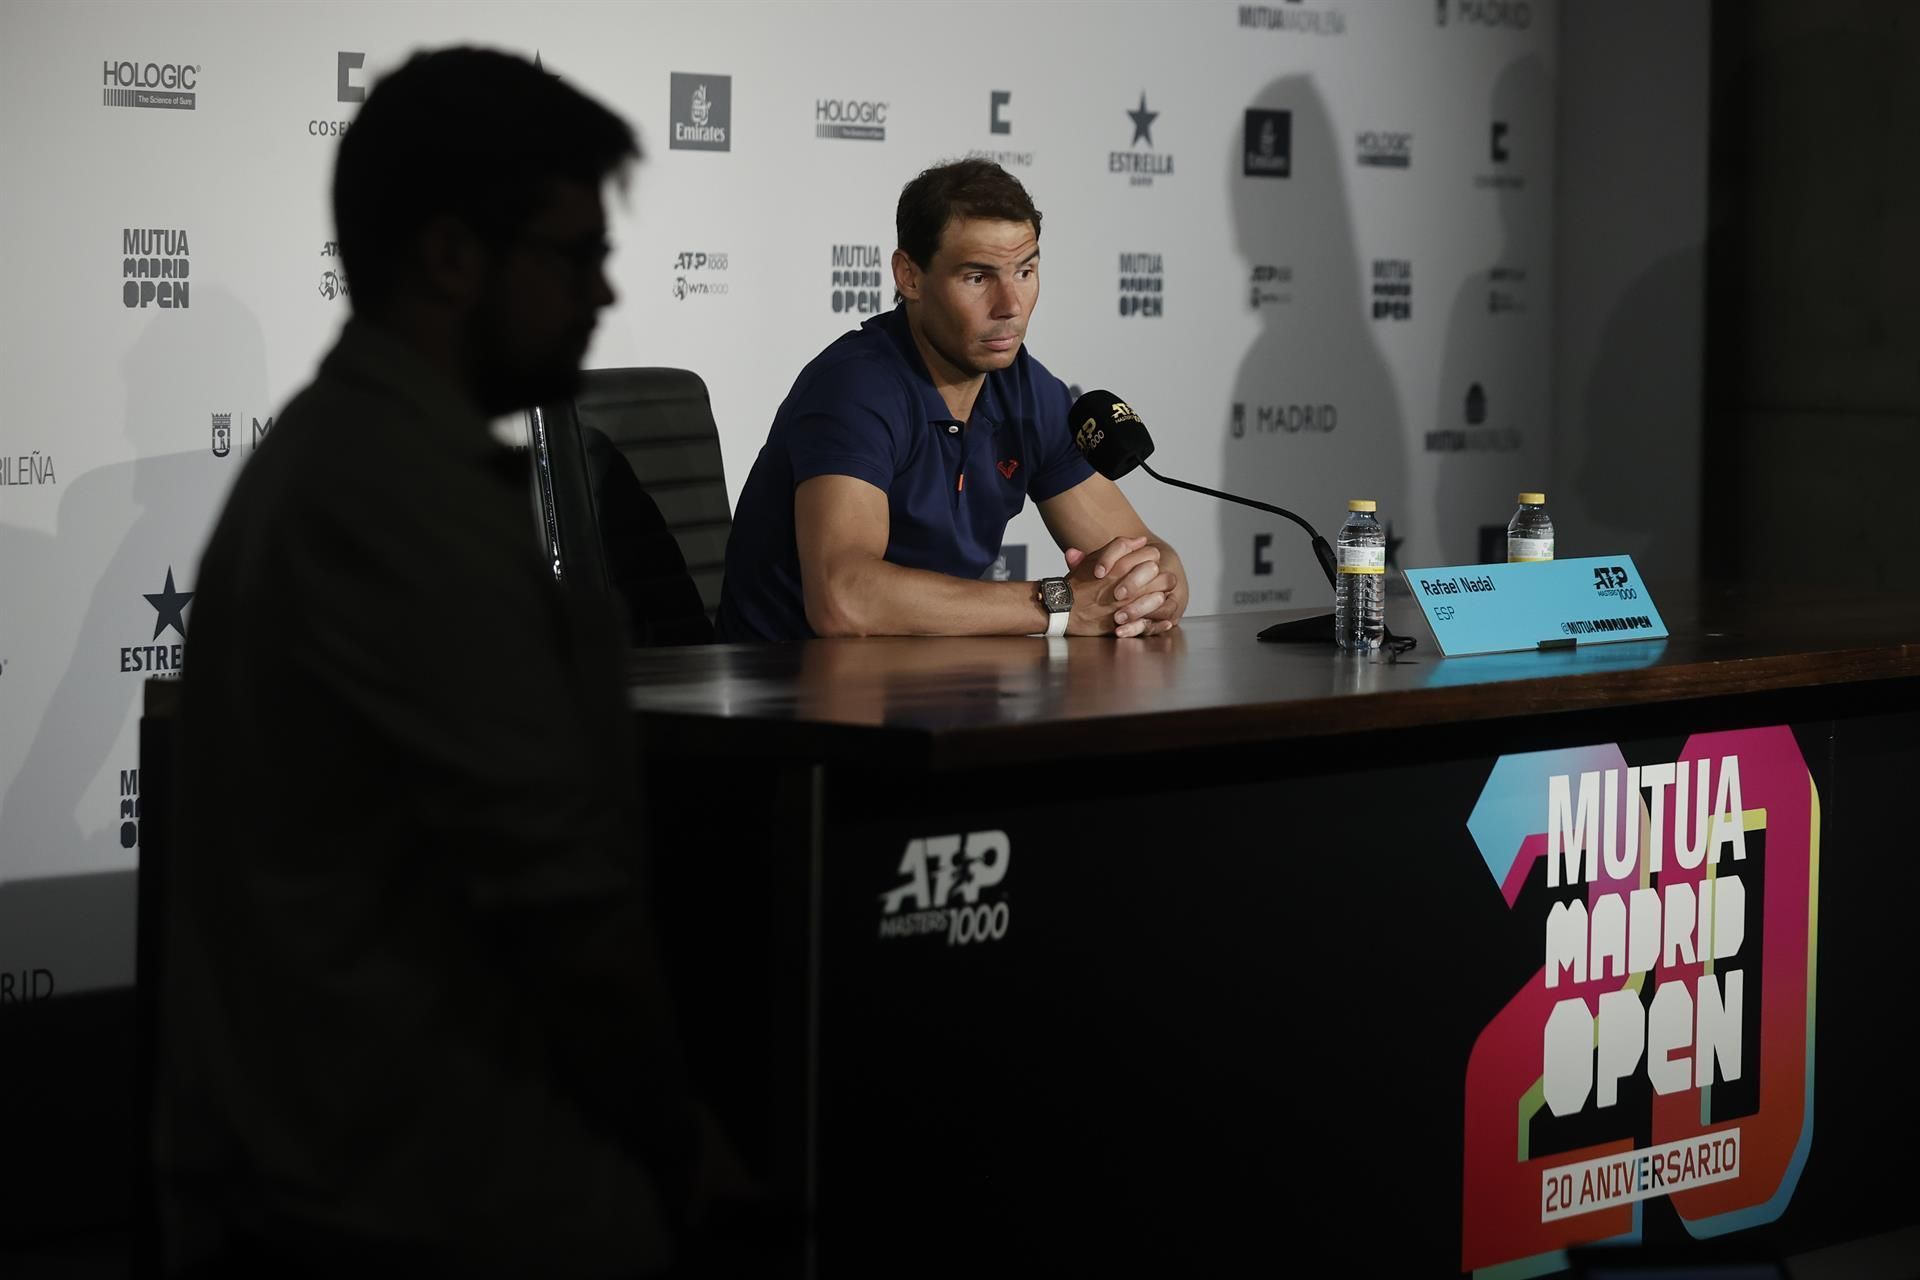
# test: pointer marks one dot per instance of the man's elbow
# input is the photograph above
(834, 608)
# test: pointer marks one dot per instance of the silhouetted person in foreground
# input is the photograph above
(413, 1022)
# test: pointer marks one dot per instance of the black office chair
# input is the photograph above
(631, 497)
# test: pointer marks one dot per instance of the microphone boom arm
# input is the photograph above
(1321, 550)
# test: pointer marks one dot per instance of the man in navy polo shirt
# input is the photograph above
(887, 481)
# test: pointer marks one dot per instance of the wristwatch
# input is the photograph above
(1056, 597)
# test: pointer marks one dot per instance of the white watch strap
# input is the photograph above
(1057, 623)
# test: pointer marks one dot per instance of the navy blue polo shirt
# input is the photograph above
(866, 407)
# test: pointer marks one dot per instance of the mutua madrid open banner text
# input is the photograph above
(1662, 1053)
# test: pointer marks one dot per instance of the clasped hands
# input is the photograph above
(1121, 590)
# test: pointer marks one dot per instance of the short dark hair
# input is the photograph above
(471, 133)
(962, 189)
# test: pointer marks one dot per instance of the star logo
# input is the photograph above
(170, 606)
(1142, 122)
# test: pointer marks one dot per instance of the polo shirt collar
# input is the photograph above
(986, 406)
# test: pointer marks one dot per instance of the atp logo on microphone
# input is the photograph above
(1091, 433)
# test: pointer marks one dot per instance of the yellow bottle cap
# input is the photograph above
(1360, 504)
(1533, 499)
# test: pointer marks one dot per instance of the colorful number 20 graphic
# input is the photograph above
(1661, 847)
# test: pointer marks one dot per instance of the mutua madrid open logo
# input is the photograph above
(1663, 1050)
(154, 268)
(944, 892)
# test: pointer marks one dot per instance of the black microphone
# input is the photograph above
(1111, 435)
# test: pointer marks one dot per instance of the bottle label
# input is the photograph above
(1529, 550)
(1363, 559)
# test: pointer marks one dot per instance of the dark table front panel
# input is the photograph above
(1250, 1005)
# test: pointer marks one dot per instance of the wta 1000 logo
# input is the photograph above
(1663, 1050)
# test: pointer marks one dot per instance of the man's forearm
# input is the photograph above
(871, 597)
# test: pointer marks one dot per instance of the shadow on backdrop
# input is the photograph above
(132, 527)
(1314, 420)
(1486, 445)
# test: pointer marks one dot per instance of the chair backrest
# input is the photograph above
(631, 494)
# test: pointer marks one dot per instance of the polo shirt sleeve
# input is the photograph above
(1059, 465)
(851, 421)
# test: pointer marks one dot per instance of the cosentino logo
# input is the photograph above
(347, 66)
(1514, 15)
(1500, 175)
(860, 119)
(1385, 149)
(953, 887)
(1269, 144)
(1141, 166)
(167, 85)
(1142, 285)
(1293, 17)
(702, 110)
(1282, 419)
(170, 613)
(1392, 289)
(153, 268)
(696, 275)
(35, 468)
(1000, 121)
(856, 279)
(1263, 568)
(1272, 286)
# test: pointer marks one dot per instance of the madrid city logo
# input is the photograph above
(1660, 1057)
(945, 890)
(170, 613)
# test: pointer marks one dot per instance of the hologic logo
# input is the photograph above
(166, 85)
(850, 118)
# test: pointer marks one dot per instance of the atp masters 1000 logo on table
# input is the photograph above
(954, 886)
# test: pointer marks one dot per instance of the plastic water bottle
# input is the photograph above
(1360, 596)
(1530, 532)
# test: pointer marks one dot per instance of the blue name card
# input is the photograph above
(1498, 608)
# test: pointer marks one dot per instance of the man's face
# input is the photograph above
(976, 296)
(536, 315)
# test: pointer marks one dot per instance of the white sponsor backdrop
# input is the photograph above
(1305, 398)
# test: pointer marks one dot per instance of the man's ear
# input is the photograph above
(454, 261)
(906, 276)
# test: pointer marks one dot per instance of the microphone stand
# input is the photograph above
(1314, 629)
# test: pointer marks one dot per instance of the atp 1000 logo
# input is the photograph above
(942, 893)
(1664, 1048)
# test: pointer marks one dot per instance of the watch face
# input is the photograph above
(1056, 594)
